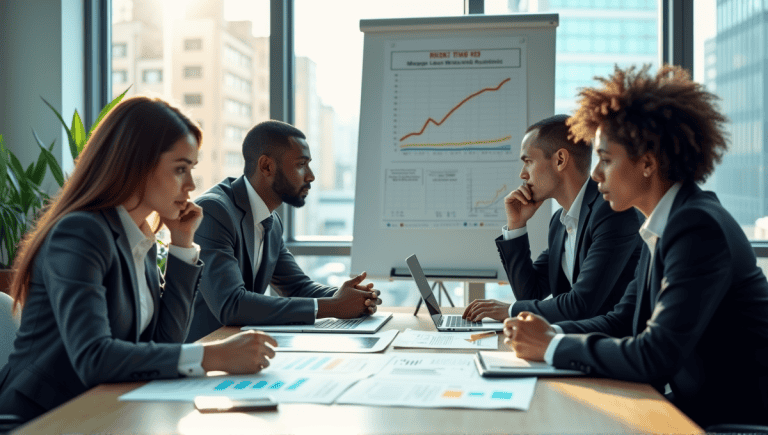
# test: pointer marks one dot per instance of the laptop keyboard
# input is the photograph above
(459, 322)
(339, 323)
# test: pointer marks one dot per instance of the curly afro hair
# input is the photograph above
(668, 115)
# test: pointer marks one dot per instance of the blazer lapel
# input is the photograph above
(590, 195)
(153, 283)
(246, 223)
(556, 255)
(124, 249)
(643, 301)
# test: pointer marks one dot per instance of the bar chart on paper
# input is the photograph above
(453, 116)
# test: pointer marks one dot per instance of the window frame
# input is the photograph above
(675, 46)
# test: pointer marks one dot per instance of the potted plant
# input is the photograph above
(21, 197)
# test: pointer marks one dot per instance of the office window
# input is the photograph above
(193, 99)
(152, 76)
(119, 76)
(731, 61)
(234, 69)
(193, 44)
(234, 159)
(238, 108)
(193, 72)
(119, 50)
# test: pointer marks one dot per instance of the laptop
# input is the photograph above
(360, 325)
(445, 322)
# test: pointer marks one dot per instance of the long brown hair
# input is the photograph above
(115, 163)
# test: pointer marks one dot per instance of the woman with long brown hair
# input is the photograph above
(94, 307)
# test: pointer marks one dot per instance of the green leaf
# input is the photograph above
(13, 179)
(106, 110)
(55, 167)
(72, 144)
(78, 133)
(58, 174)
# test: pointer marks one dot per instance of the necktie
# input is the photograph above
(267, 224)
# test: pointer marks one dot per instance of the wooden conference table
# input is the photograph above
(560, 405)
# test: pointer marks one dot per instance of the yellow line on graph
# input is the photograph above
(454, 144)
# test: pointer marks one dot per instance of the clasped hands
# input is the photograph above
(528, 335)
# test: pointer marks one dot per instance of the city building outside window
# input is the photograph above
(193, 44)
(119, 50)
(193, 99)
(193, 72)
(152, 76)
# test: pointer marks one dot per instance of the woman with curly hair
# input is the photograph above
(695, 317)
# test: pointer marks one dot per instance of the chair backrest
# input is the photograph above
(9, 324)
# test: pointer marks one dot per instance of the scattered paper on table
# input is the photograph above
(293, 388)
(443, 340)
(435, 366)
(478, 394)
(330, 363)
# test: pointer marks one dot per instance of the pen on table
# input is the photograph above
(475, 337)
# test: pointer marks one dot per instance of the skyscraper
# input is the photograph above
(736, 70)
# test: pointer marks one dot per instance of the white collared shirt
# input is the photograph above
(260, 212)
(570, 220)
(141, 240)
(651, 231)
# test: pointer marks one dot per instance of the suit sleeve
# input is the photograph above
(614, 243)
(697, 266)
(222, 284)
(76, 257)
(175, 311)
(528, 279)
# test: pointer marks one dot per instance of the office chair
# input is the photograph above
(9, 324)
(737, 428)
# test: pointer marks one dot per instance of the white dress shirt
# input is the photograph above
(651, 232)
(570, 220)
(260, 212)
(141, 241)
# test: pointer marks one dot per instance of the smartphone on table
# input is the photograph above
(211, 404)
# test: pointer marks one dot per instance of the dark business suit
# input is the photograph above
(232, 293)
(607, 249)
(80, 324)
(701, 325)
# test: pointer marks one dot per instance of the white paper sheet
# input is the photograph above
(333, 342)
(478, 394)
(361, 366)
(283, 387)
(443, 340)
(430, 366)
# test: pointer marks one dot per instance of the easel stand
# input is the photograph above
(440, 290)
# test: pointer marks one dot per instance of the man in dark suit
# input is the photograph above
(695, 317)
(242, 245)
(593, 251)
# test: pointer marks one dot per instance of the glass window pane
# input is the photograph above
(731, 63)
(204, 57)
(327, 100)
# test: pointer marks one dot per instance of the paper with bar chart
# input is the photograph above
(454, 112)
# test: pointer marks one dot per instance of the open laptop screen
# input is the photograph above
(426, 291)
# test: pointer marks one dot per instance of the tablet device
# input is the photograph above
(210, 404)
(508, 365)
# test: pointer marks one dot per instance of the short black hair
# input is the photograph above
(268, 138)
(553, 135)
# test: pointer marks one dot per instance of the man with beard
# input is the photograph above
(242, 246)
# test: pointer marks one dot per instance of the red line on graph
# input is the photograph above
(454, 109)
